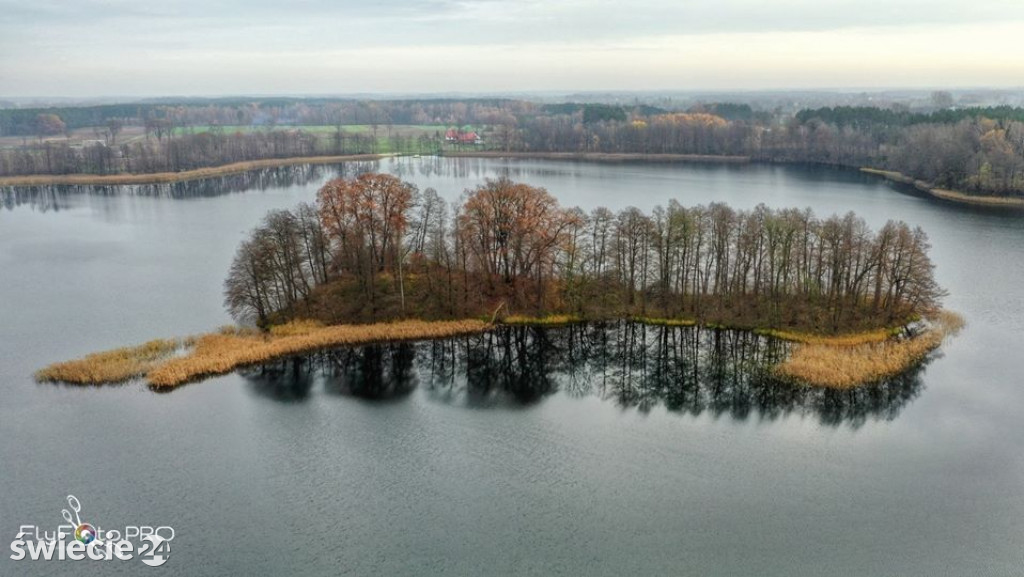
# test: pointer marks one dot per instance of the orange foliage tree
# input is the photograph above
(366, 219)
(513, 231)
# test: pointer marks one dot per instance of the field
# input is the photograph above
(135, 133)
(404, 130)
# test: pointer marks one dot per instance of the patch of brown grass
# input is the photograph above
(297, 327)
(218, 353)
(665, 322)
(112, 366)
(229, 348)
(842, 366)
(950, 195)
(977, 199)
(847, 340)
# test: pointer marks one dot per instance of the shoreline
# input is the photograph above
(597, 157)
(946, 194)
(231, 348)
(171, 177)
(609, 157)
(238, 167)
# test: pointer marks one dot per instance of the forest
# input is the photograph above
(972, 150)
(376, 248)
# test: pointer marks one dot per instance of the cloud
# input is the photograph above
(230, 46)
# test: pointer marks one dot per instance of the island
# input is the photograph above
(375, 259)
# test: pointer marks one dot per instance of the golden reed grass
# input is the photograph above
(847, 340)
(229, 348)
(112, 366)
(166, 177)
(842, 366)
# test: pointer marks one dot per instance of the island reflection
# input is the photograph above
(687, 370)
(57, 197)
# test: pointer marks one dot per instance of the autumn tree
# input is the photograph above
(366, 218)
(512, 231)
(49, 125)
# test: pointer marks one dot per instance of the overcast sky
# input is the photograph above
(215, 47)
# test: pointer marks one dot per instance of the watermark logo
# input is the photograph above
(150, 544)
(85, 533)
(157, 552)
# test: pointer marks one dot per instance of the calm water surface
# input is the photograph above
(547, 453)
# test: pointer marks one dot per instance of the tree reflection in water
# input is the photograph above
(58, 196)
(686, 370)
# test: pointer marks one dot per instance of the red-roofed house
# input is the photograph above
(457, 136)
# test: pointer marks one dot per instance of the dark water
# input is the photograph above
(578, 451)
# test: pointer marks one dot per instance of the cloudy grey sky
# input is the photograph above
(213, 47)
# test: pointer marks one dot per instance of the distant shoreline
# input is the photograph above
(600, 157)
(605, 156)
(945, 194)
(238, 167)
(169, 177)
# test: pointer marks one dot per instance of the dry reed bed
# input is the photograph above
(847, 340)
(946, 194)
(845, 366)
(222, 352)
(166, 177)
(112, 366)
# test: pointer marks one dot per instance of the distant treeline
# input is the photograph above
(975, 150)
(260, 112)
(374, 247)
(868, 116)
(192, 151)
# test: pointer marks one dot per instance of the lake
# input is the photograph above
(413, 460)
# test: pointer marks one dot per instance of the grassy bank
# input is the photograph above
(950, 195)
(843, 365)
(224, 351)
(167, 177)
